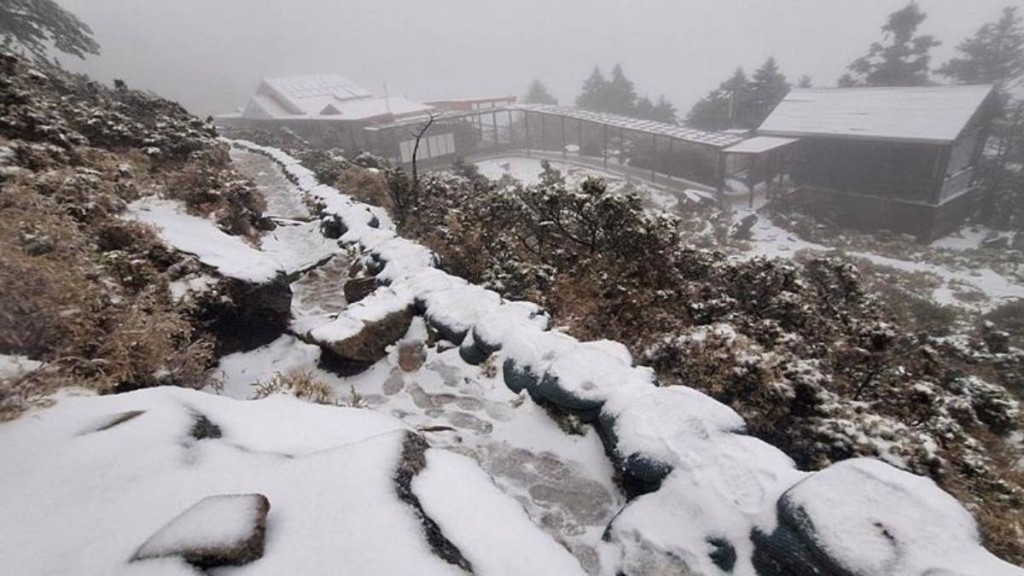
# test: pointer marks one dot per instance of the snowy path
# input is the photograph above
(564, 482)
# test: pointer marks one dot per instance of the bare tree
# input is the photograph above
(405, 193)
(418, 134)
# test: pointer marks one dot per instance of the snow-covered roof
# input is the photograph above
(932, 114)
(716, 139)
(760, 144)
(324, 97)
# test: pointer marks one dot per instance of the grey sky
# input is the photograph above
(209, 54)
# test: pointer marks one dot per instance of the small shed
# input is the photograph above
(896, 158)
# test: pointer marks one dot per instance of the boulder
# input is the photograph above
(361, 334)
(583, 378)
(357, 289)
(862, 516)
(222, 530)
(242, 315)
(370, 341)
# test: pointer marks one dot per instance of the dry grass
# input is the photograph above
(302, 384)
(366, 186)
(87, 293)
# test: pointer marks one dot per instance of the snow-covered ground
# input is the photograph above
(528, 170)
(504, 484)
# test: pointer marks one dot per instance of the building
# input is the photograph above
(887, 158)
(325, 108)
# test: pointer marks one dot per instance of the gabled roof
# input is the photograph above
(323, 97)
(930, 114)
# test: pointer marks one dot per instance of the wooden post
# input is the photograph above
(526, 125)
(622, 146)
(654, 157)
(671, 155)
(543, 132)
(564, 143)
(720, 176)
(604, 143)
(510, 143)
(750, 178)
(579, 138)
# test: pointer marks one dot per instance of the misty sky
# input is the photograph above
(210, 54)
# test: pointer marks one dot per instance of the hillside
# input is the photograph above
(366, 403)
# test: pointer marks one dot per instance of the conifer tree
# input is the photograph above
(902, 61)
(724, 107)
(994, 55)
(36, 24)
(645, 108)
(538, 94)
(768, 87)
(593, 96)
(621, 95)
(664, 111)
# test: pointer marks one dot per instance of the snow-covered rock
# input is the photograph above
(863, 516)
(229, 255)
(219, 530)
(454, 312)
(651, 431)
(364, 330)
(582, 378)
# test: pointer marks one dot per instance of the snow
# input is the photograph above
(458, 309)
(13, 367)
(716, 139)
(934, 114)
(325, 97)
(229, 255)
(453, 490)
(586, 375)
(760, 145)
(241, 371)
(494, 328)
(298, 246)
(996, 288)
(722, 486)
(964, 239)
(326, 471)
(350, 322)
(656, 422)
(875, 519)
(191, 285)
(219, 521)
(723, 496)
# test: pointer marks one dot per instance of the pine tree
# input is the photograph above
(664, 111)
(539, 94)
(594, 93)
(621, 94)
(902, 61)
(994, 55)
(644, 108)
(725, 107)
(35, 24)
(767, 88)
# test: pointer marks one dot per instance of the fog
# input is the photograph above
(210, 54)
